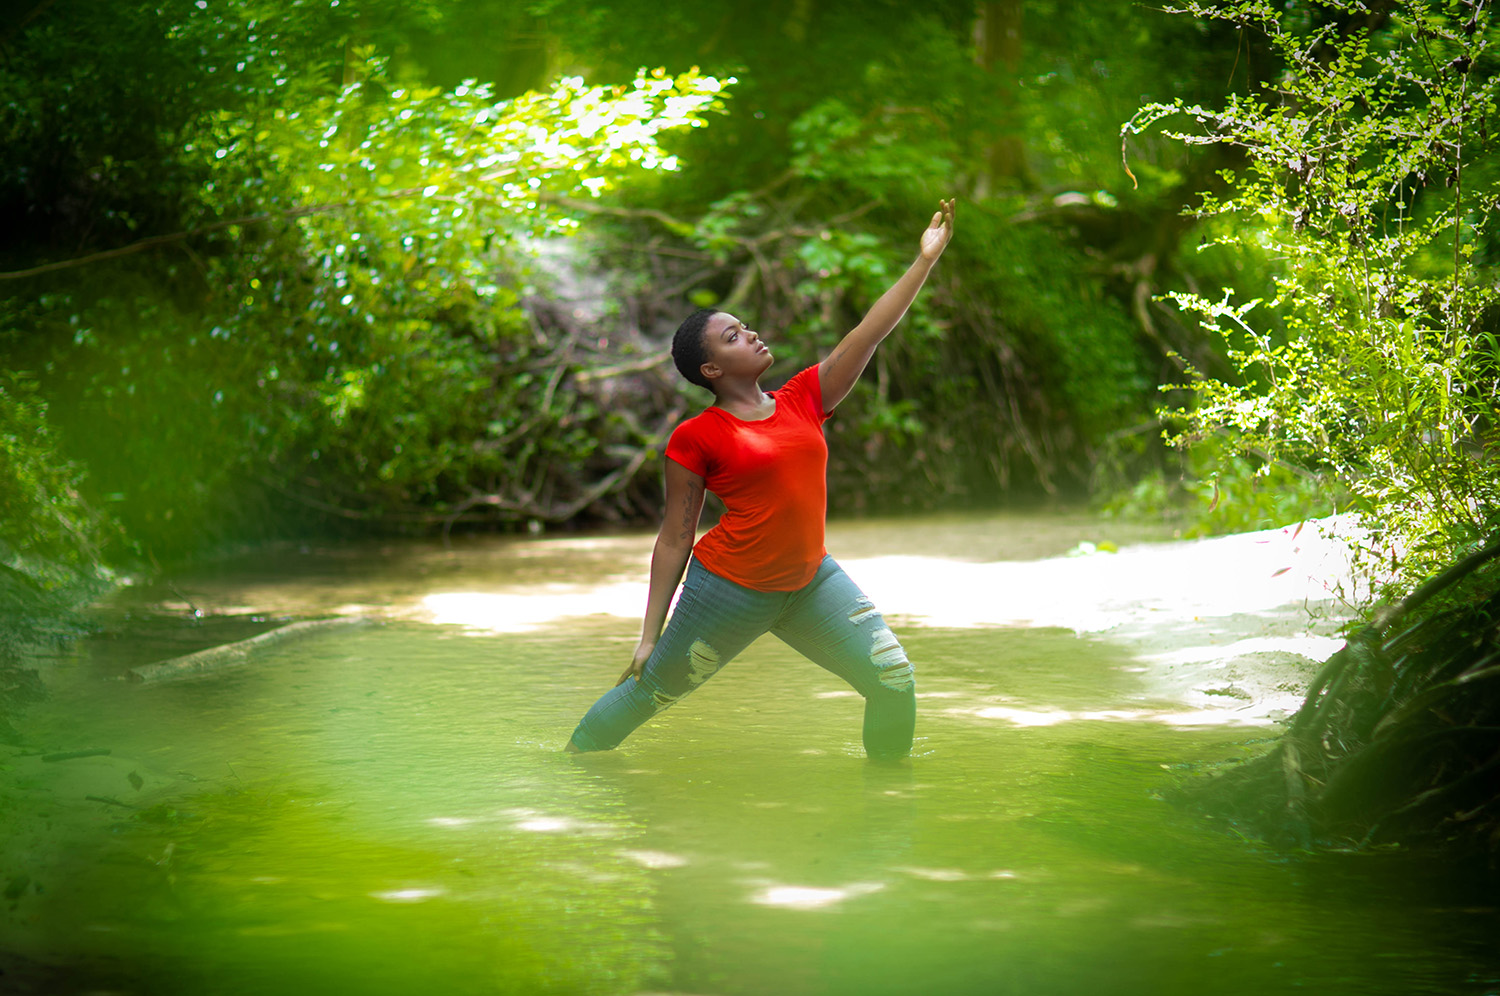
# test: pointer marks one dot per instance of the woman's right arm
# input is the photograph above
(674, 544)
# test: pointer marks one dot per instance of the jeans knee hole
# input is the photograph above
(703, 661)
(886, 653)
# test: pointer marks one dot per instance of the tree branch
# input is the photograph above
(573, 204)
(158, 240)
(632, 366)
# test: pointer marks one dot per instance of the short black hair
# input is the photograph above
(688, 349)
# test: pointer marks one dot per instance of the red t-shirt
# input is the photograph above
(772, 477)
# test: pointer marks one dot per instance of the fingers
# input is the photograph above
(943, 216)
(635, 669)
(637, 663)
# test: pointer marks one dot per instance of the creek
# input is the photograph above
(387, 810)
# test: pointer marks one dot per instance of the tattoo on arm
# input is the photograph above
(833, 360)
(690, 504)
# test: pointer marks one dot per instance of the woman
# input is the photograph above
(763, 567)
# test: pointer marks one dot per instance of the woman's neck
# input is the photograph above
(745, 400)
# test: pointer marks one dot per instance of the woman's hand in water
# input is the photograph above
(638, 663)
(939, 231)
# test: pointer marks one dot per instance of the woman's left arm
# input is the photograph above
(843, 366)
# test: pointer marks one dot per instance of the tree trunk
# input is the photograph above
(997, 50)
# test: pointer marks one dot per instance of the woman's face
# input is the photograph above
(735, 349)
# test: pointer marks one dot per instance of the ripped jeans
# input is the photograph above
(829, 621)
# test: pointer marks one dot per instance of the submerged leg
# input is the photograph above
(714, 620)
(890, 710)
(670, 674)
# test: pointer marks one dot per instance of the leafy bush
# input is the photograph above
(49, 540)
(1370, 179)
(1218, 488)
(43, 518)
(352, 340)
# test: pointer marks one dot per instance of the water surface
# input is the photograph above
(388, 809)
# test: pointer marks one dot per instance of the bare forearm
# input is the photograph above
(674, 544)
(893, 304)
(849, 358)
(843, 366)
(668, 561)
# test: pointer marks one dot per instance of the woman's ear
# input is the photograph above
(711, 370)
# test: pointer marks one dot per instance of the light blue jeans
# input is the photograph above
(829, 621)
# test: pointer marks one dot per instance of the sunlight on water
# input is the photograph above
(1051, 717)
(801, 897)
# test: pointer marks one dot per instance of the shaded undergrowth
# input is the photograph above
(1398, 740)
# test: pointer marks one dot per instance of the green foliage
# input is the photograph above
(41, 513)
(1370, 180)
(101, 98)
(357, 325)
(1023, 356)
(355, 341)
(1051, 294)
(889, 152)
(1004, 377)
(49, 539)
(1088, 70)
(1219, 488)
(423, 379)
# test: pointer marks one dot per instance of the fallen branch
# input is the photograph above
(108, 801)
(238, 652)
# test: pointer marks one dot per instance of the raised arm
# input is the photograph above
(843, 366)
(674, 543)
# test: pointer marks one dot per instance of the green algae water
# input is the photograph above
(388, 811)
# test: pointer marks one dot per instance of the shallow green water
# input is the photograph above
(387, 810)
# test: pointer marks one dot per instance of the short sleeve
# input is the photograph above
(804, 392)
(686, 447)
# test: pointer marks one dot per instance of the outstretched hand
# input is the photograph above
(939, 231)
